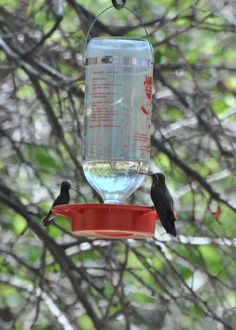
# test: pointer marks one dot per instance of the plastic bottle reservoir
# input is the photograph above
(118, 102)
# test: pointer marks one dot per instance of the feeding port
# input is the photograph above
(109, 221)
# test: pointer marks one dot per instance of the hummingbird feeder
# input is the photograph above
(118, 104)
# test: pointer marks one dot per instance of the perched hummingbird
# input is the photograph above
(62, 198)
(163, 202)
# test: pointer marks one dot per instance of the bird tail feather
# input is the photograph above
(48, 219)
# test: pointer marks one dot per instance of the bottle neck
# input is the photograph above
(113, 201)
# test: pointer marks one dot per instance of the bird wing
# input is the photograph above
(170, 227)
(169, 198)
(171, 215)
(57, 201)
(62, 199)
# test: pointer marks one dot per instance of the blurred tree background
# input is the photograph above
(51, 279)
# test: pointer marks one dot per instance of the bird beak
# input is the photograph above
(75, 190)
(146, 173)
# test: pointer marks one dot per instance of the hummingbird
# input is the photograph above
(163, 202)
(62, 198)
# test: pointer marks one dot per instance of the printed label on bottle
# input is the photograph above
(118, 111)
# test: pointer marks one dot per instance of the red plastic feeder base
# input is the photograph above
(109, 220)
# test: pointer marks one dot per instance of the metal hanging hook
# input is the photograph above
(118, 5)
(100, 14)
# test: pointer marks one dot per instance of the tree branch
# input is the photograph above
(8, 197)
(189, 171)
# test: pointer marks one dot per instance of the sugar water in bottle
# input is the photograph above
(118, 102)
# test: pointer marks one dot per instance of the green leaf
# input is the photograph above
(108, 290)
(34, 253)
(19, 224)
(62, 221)
(43, 157)
(25, 92)
(219, 105)
(142, 298)
(41, 17)
(212, 258)
(163, 160)
(230, 83)
(85, 322)
(157, 57)
(11, 4)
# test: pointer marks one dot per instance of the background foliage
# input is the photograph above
(51, 279)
